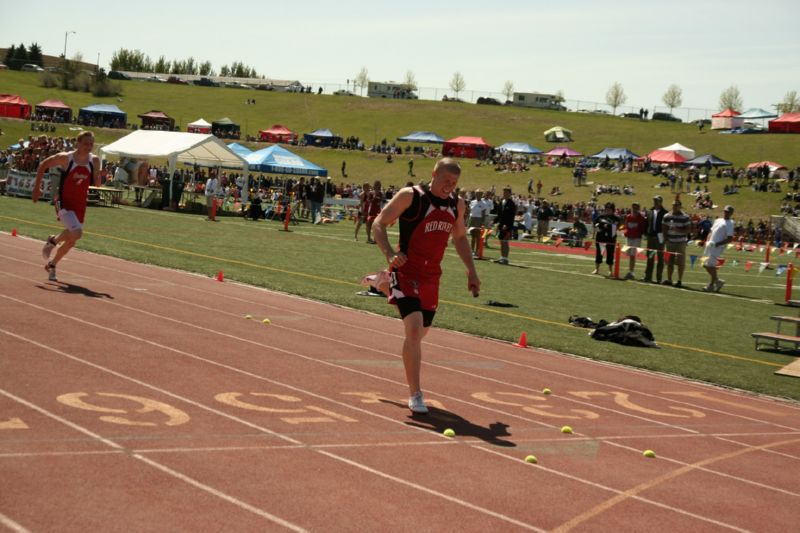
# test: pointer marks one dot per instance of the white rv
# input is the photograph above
(539, 100)
(390, 89)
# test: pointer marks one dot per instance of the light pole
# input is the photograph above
(66, 34)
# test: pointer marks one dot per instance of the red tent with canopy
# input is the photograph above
(466, 147)
(726, 120)
(666, 156)
(773, 166)
(14, 106)
(788, 123)
(277, 134)
(156, 120)
(55, 110)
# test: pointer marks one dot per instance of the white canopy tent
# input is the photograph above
(686, 152)
(199, 126)
(175, 146)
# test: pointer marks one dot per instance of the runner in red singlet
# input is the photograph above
(374, 204)
(427, 219)
(79, 169)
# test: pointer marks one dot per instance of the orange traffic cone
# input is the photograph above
(523, 341)
(14, 232)
(219, 276)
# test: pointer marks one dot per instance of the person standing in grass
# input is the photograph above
(721, 235)
(635, 224)
(79, 169)
(428, 218)
(676, 227)
(655, 241)
(605, 237)
(505, 223)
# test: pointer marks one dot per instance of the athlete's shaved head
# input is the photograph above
(448, 164)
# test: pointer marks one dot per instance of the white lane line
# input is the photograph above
(169, 471)
(12, 525)
(611, 489)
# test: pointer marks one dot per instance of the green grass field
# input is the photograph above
(372, 120)
(702, 336)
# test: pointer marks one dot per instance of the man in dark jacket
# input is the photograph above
(505, 223)
(655, 240)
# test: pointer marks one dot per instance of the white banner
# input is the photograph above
(19, 183)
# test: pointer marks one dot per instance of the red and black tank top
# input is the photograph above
(425, 229)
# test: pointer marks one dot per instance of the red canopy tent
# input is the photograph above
(563, 151)
(55, 110)
(666, 156)
(14, 106)
(277, 134)
(788, 123)
(466, 147)
(773, 166)
(156, 120)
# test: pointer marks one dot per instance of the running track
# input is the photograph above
(140, 398)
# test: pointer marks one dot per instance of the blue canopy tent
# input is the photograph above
(239, 149)
(519, 148)
(321, 137)
(103, 115)
(422, 137)
(614, 153)
(708, 159)
(279, 160)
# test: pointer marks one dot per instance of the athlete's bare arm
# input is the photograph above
(95, 170)
(56, 160)
(388, 215)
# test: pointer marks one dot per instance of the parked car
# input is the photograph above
(206, 82)
(342, 92)
(669, 117)
(155, 79)
(488, 101)
(116, 75)
(176, 79)
(630, 115)
(30, 67)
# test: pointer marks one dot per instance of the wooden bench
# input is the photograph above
(774, 340)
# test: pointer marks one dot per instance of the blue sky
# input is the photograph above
(579, 47)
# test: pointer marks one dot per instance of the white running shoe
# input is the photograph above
(49, 246)
(51, 272)
(417, 403)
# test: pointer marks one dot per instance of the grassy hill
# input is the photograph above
(372, 120)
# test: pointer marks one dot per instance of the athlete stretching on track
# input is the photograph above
(79, 169)
(427, 220)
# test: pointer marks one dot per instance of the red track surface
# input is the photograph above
(139, 398)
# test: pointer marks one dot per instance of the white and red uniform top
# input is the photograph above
(425, 229)
(635, 224)
(73, 189)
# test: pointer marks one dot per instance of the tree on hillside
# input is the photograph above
(615, 96)
(161, 66)
(205, 68)
(731, 97)
(362, 79)
(673, 97)
(790, 103)
(410, 82)
(560, 96)
(131, 60)
(35, 54)
(508, 90)
(224, 71)
(458, 84)
(9, 56)
(19, 59)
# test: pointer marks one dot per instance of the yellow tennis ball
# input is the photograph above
(248, 317)
(566, 429)
(449, 433)
(649, 453)
(546, 391)
(266, 321)
(531, 459)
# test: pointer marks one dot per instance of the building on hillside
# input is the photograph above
(390, 89)
(539, 100)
